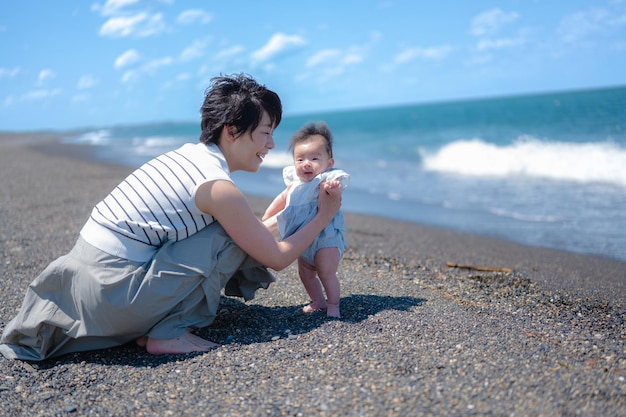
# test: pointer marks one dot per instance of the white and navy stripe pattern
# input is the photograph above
(156, 203)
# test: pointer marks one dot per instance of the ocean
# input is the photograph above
(547, 170)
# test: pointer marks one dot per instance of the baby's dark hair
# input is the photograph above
(237, 101)
(312, 129)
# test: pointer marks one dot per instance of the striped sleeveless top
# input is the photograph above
(156, 203)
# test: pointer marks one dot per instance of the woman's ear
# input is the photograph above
(230, 132)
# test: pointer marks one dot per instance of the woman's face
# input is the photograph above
(252, 147)
(311, 158)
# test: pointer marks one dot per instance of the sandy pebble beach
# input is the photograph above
(417, 337)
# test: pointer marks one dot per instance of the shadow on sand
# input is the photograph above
(238, 323)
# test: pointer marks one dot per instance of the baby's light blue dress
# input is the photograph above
(301, 207)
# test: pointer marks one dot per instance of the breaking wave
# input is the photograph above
(582, 162)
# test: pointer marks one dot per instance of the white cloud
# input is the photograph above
(130, 75)
(141, 25)
(45, 75)
(157, 63)
(112, 7)
(352, 58)
(434, 52)
(79, 98)
(195, 50)
(278, 43)
(147, 69)
(86, 81)
(40, 94)
(183, 76)
(486, 44)
(194, 15)
(229, 59)
(579, 25)
(491, 21)
(618, 46)
(330, 63)
(323, 56)
(9, 72)
(127, 58)
(583, 24)
(230, 52)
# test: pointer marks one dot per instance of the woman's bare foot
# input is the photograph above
(187, 343)
(313, 307)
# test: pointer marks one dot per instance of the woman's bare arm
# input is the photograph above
(229, 207)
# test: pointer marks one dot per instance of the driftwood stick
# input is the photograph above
(479, 268)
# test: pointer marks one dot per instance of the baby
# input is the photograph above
(312, 148)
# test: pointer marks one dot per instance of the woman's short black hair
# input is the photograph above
(237, 101)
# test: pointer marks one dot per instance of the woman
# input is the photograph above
(153, 257)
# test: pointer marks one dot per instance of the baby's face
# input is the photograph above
(311, 158)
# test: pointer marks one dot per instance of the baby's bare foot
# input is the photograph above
(187, 343)
(333, 311)
(313, 307)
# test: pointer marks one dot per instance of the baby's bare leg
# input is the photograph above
(312, 285)
(327, 263)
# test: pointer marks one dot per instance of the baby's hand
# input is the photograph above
(329, 201)
(332, 186)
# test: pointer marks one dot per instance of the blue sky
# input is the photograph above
(72, 64)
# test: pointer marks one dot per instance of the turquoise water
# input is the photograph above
(546, 170)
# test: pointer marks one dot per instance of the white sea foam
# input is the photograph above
(158, 141)
(155, 145)
(277, 159)
(526, 217)
(583, 162)
(97, 137)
